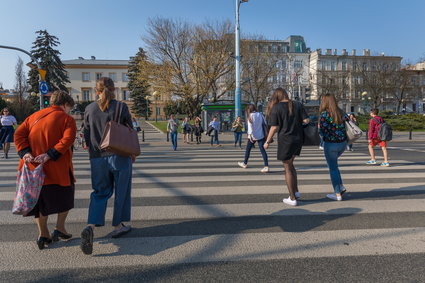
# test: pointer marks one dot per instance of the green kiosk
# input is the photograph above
(225, 112)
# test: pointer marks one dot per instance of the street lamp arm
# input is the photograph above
(24, 51)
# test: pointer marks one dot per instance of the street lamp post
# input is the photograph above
(147, 97)
(155, 95)
(238, 107)
(39, 69)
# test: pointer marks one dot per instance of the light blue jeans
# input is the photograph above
(332, 152)
(173, 137)
(110, 174)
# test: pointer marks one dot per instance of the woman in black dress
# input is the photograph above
(286, 117)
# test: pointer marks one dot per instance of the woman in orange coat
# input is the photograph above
(46, 137)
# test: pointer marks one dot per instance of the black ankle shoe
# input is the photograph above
(42, 241)
(58, 234)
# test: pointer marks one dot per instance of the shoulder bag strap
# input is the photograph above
(41, 118)
(376, 120)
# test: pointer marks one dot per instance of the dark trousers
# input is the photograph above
(249, 146)
(238, 138)
(214, 136)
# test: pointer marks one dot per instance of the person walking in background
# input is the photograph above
(186, 129)
(172, 129)
(110, 173)
(255, 121)
(332, 128)
(353, 118)
(198, 130)
(8, 123)
(373, 138)
(216, 128)
(286, 118)
(46, 137)
(136, 125)
(237, 128)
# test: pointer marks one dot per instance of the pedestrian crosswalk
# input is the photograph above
(195, 205)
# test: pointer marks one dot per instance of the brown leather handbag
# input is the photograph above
(118, 138)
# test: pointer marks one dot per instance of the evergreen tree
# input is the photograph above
(138, 86)
(44, 50)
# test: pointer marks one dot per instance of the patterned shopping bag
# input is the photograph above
(28, 187)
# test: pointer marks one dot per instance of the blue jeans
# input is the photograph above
(173, 137)
(214, 136)
(238, 138)
(109, 174)
(249, 146)
(332, 152)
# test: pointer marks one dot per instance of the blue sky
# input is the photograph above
(113, 29)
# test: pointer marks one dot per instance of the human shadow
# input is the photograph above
(155, 239)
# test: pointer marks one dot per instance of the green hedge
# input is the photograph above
(407, 122)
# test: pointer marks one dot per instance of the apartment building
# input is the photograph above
(351, 76)
(83, 74)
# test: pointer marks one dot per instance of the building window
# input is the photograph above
(344, 66)
(125, 94)
(86, 95)
(158, 110)
(298, 64)
(113, 76)
(98, 76)
(124, 77)
(323, 65)
(86, 77)
(332, 66)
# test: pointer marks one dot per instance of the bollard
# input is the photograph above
(410, 134)
(143, 135)
(168, 136)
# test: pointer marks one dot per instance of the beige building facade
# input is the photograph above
(83, 74)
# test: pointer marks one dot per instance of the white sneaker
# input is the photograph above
(289, 201)
(321, 147)
(243, 165)
(264, 170)
(297, 195)
(334, 197)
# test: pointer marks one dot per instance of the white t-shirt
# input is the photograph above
(255, 129)
(8, 120)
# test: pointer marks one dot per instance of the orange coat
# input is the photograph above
(56, 130)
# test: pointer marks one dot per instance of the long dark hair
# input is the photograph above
(329, 103)
(250, 109)
(278, 95)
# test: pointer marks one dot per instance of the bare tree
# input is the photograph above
(403, 85)
(20, 105)
(335, 82)
(190, 62)
(258, 69)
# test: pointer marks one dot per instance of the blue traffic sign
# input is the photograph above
(44, 88)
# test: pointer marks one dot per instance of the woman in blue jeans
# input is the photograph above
(237, 128)
(332, 129)
(255, 133)
(110, 173)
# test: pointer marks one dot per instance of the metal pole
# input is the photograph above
(156, 110)
(143, 135)
(35, 61)
(237, 64)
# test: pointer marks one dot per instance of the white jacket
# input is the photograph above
(255, 129)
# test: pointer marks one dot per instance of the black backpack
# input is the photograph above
(385, 132)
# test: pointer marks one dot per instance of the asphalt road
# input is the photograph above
(197, 217)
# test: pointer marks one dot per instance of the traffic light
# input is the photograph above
(46, 101)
